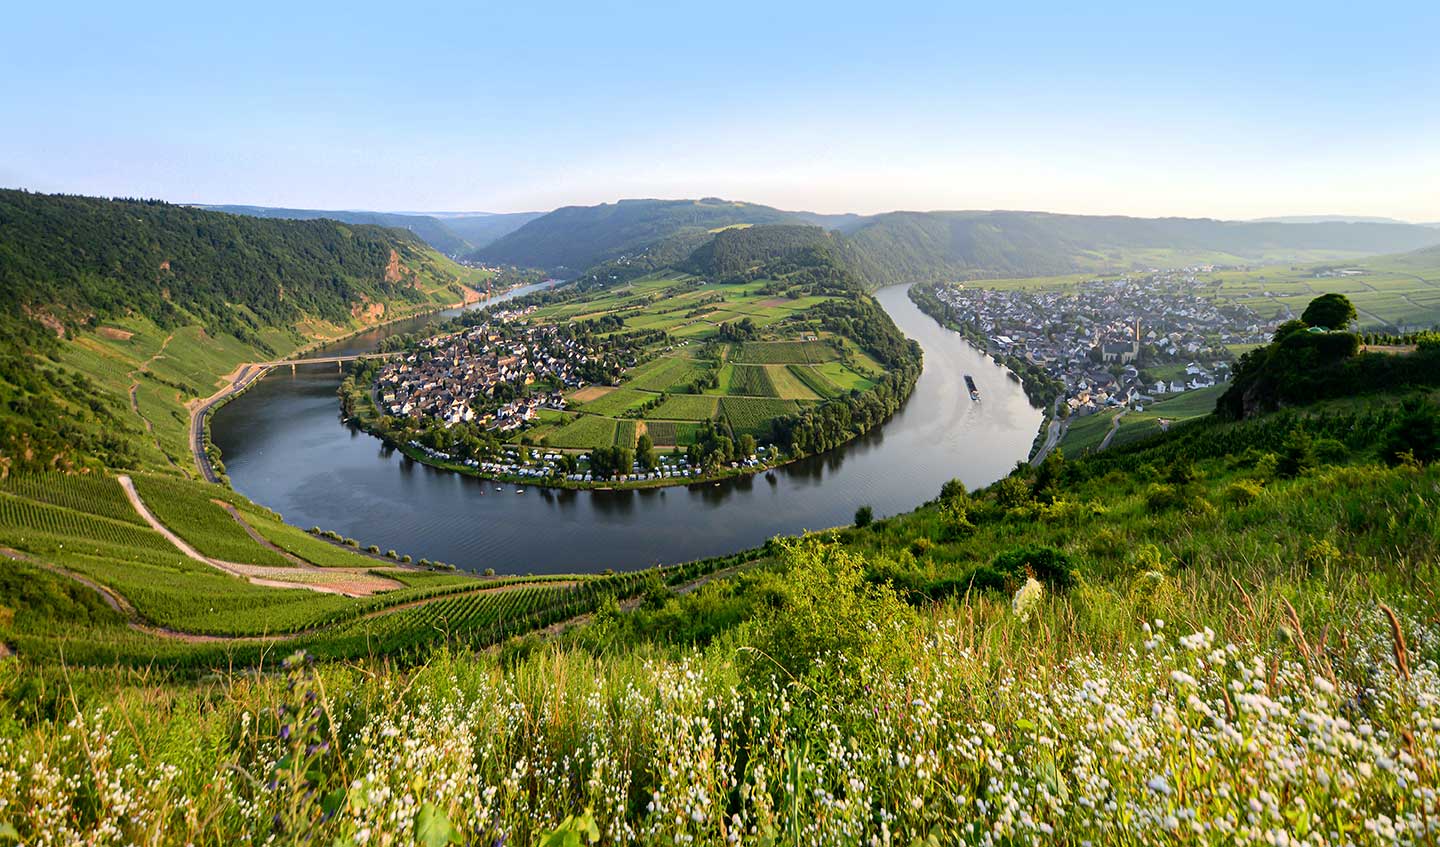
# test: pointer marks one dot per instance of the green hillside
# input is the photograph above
(115, 313)
(574, 238)
(923, 246)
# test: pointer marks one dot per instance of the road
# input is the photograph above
(1114, 428)
(1053, 434)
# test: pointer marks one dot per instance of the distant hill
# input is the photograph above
(575, 238)
(453, 234)
(920, 246)
(1320, 219)
(626, 237)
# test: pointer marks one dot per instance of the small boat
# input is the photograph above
(519, 491)
(970, 384)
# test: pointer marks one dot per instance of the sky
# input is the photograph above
(1214, 109)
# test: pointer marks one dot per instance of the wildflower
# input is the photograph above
(1027, 598)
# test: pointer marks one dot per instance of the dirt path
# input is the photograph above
(342, 581)
(1114, 428)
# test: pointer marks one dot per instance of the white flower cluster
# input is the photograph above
(1191, 740)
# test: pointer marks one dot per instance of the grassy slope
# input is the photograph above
(1275, 647)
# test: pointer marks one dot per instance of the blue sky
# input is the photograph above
(1218, 109)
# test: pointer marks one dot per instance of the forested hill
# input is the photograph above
(114, 313)
(575, 238)
(72, 262)
(920, 246)
(451, 234)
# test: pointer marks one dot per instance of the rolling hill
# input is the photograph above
(921, 246)
(575, 238)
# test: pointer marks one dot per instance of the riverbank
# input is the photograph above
(247, 374)
(286, 447)
(359, 408)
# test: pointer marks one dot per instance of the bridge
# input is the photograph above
(338, 361)
(244, 377)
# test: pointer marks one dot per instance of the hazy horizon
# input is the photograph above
(1230, 112)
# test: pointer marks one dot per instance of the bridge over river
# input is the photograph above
(243, 378)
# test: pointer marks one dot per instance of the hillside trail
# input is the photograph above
(351, 584)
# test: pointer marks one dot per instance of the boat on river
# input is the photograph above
(970, 384)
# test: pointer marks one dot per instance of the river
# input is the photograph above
(285, 446)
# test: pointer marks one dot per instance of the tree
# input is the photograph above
(747, 446)
(864, 516)
(645, 452)
(1415, 433)
(1297, 454)
(1332, 311)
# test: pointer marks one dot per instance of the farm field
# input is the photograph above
(686, 407)
(584, 433)
(784, 367)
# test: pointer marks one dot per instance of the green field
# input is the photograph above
(584, 433)
(686, 407)
(752, 415)
(748, 381)
(666, 373)
(784, 352)
(616, 402)
(788, 385)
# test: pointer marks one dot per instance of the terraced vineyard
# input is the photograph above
(92, 493)
(186, 509)
(815, 381)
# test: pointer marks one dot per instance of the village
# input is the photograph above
(1116, 341)
(481, 375)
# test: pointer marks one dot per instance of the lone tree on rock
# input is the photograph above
(1331, 311)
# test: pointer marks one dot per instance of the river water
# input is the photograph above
(285, 446)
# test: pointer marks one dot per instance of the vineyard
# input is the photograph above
(185, 508)
(625, 433)
(815, 381)
(686, 407)
(753, 414)
(751, 381)
(98, 495)
(783, 352)
(300, 543)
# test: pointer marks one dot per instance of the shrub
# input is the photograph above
(1297, 454)
(373, 548)
(1416, 431)
(391, 554)
(864, 516)
(1050, 566)
(827, 614)
(1244, 492)
(489, 572)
